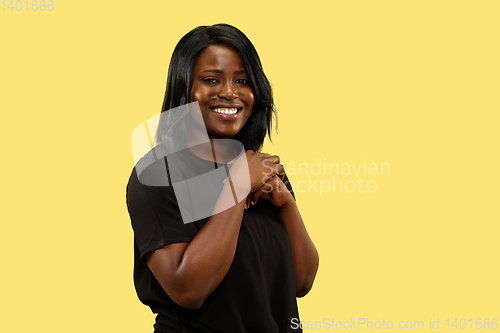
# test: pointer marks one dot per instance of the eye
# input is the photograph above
(242, 81)
(210, 80)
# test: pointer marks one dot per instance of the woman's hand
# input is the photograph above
(261, 168)
(273, 189)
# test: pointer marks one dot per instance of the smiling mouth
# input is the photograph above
(229, 111)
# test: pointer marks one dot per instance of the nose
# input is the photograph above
(228, 91)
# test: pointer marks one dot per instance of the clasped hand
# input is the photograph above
(266, 177)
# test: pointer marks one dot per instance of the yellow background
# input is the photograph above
(411, 83)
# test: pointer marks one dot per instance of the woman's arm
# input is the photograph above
(305, 255)
(189, 272)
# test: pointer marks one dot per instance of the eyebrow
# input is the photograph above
(221, 72)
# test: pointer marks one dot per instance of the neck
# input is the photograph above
(220, 151)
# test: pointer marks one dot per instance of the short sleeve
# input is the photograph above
(155, 216)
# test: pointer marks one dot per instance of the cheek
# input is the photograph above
(251, 104)
(198, 94)
(195, 95)
(251, 99)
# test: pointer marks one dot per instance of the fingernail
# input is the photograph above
(253, 203)
(246, 205)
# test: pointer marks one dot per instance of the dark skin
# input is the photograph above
(190, 272)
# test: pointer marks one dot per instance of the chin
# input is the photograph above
(222, 135)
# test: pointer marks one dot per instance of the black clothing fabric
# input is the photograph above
(258, 292)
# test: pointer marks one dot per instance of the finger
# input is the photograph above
(273, 183)
(278, 185)
(280, 171)
(268, 186)
(255, 196)
(275, 158)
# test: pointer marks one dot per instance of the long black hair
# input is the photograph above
(179, 81)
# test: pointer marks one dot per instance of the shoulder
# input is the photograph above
(148, 185)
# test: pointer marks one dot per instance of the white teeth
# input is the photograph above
(226, 110)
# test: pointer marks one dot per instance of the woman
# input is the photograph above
(240, 268)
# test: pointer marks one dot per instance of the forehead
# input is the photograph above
(218, 57)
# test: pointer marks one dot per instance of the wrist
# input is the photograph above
(287, 203)
(240, 187)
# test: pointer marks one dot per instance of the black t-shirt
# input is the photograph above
(258, 292)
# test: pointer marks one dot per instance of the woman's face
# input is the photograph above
(221, 88)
